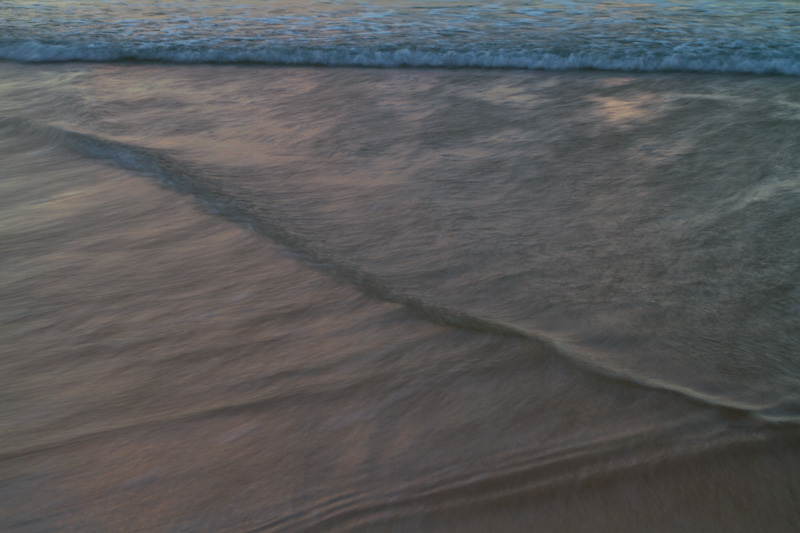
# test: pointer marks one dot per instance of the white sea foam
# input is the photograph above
(196, 52)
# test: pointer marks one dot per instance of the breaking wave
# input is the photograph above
(632, 61)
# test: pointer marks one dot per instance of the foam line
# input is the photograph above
(720, 63)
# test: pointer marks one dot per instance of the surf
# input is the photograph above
(206, 188)
(414, 57)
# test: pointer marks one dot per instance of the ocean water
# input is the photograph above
(759, 37)
(399, 266)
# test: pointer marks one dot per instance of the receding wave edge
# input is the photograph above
(237, 207)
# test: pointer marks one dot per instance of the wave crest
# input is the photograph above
(36, 52)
